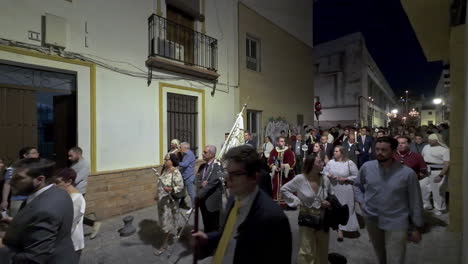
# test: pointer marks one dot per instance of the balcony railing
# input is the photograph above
(179, 43)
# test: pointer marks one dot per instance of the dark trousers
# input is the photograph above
(210, 219)
(86, 220)
(299, 164)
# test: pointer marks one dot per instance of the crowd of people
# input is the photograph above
(391, 175)
(43, 207)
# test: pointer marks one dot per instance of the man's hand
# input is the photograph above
(167, 189)
(414, 236)
(204, 183)
(438, 179)
(357, 152)
(7, 219)
(326, 204)
(199, 237)
(4, 205)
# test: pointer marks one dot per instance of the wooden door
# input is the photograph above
(18, 121)
(180, 29)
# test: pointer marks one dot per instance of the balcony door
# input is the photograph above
(180, 31)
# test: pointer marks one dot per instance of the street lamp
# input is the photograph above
(395, 111)
(437, 101)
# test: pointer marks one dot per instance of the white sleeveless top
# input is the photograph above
(79, 207)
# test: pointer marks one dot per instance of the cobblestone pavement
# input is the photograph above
(438, 244)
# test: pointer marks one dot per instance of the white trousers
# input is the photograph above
(438, 190)
(389, 246)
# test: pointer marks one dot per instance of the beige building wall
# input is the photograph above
(284, 85)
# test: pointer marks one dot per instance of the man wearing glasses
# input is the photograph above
(256, 229)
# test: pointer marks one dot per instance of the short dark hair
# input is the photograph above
(278, 138)
(247, 132)
(381, 131)
(36, 167)
(77, 150)
(406, 137)
(25, 151)
(246, 155)
(67, 175)
(418, 135)
(393, 142)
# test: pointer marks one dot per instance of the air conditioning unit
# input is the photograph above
(169, 49)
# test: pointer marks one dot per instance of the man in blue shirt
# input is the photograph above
(390, 198)
(16, 200)
(187, 169)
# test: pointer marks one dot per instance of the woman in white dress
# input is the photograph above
(65, 179)
(342, 172)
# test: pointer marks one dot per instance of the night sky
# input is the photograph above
(389, 36)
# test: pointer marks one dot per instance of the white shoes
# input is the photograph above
(189, 211)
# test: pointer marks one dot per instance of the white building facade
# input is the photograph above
(120, 79)
(349, 84)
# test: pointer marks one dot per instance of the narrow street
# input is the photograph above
(438, 245)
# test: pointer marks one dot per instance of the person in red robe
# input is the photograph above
(281, 162)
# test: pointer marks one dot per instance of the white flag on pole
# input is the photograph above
(236, 136)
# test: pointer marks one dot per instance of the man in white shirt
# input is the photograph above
(437, 157)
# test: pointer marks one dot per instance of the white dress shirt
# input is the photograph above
(37, 193)
(244, 209)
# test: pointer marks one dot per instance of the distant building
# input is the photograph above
(350, 85)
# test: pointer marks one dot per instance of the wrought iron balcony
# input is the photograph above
(174, 47)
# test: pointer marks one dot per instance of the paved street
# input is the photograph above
(438, 245)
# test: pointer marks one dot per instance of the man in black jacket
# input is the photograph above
(40, 232)
(326, 147)
(209, 189)
(256, 229)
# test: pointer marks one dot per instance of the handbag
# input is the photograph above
(179, 195)
(311, 220)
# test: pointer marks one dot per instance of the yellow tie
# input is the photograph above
(228, 228)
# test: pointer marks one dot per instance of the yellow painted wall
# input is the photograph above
(284, 87)
(430, 20)
(457, 134)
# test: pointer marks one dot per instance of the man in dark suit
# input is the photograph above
(365, 143)
(351, 148)
(296, 147)
(248, 139)
(343, 138)
(40, 232)
(209, 190)
(326, 147)
(256, 229)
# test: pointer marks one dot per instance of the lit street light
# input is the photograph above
(395, 111)
(437, 101)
